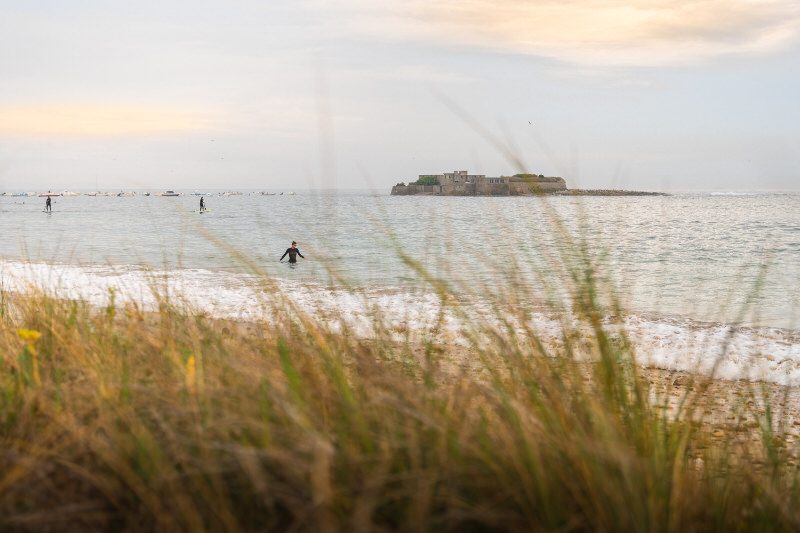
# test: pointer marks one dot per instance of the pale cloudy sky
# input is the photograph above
(683, 94)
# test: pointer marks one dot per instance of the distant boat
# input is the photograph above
(49, 194)
(147, 194)
(170, 193)
(91, 193)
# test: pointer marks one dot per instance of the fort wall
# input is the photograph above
(461, 183)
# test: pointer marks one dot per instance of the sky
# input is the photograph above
(657, 94)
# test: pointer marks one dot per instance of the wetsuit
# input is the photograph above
(293, 253)
(48, 204)
(202, 205)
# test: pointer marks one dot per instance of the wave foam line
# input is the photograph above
(729, 352)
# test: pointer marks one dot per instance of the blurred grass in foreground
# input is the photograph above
(116, 418)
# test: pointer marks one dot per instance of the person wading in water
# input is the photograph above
(293, 252)
(48, 205)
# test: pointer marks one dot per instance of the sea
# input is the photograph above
(709, 281)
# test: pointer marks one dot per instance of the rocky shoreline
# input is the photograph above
(606, 192)
(566, 192)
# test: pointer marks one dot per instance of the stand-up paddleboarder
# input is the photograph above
(48, 205)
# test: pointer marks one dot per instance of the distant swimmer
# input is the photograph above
(202, 204)
(293, 253)
(48, 205)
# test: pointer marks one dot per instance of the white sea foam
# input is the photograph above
(729, 352)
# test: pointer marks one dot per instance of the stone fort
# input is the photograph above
(462, 183)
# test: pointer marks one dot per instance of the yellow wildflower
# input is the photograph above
(28, 335)
(190, 373)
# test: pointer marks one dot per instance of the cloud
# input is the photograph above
(607, 32)
(414, 73)
(92, 120)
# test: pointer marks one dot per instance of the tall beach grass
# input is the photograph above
(121, 418)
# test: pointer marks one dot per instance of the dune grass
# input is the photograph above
(121, 419)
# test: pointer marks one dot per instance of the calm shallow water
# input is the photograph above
(685, 255)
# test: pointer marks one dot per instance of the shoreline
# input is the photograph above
(731, 411)
(725, 392)
(567, 192)
(607, 192)
(457, 358)
(760, 352)
(726, 412)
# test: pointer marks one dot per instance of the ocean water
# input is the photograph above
(692, 269)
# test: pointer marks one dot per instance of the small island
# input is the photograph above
(462, 183)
